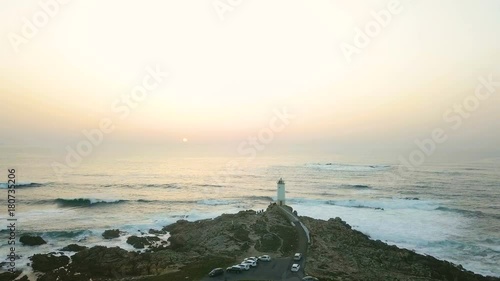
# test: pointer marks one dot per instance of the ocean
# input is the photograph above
(450, 211)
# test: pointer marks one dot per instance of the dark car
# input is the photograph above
(234, 269)
(216, 272)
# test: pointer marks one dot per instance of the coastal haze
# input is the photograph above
(131, 116)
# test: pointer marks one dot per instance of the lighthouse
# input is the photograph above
(281, 192)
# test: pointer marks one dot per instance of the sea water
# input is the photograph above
(450, 211)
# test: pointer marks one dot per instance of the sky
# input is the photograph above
(67, 65)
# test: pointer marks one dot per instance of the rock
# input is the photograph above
(137, 242)
(268, 243)
(177, 242)
(100, 262)
(337, 253)
(48, 262)
(260, 227)
(352, 255)
(63, 275)
(245, 247)
(157, 232)
(111, 233)
(241, 233)
(8, 276)
(141, 242)
(73, 248)
(29, 240)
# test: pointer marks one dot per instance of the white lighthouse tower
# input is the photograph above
(281, 192)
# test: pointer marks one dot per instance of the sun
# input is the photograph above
(184, 140)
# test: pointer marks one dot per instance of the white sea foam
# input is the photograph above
(20, 184)
(386, 204)
(348, 168)
(96, 200)
(216, 202)
(401, 221)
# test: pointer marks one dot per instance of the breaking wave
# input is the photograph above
(396, 204)
(216, 202)
(347, 167)
(23, 185)
(467, 213)
(86, 202)
(356, 186)
(261, 198)
(164, 185)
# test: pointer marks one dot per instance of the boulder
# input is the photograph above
(141, 242)
(111, 233)
(8, 276)
(48, 262)
(177, 243)
(63, 275)
(29, 240)
(102, 262)
(157, 232)
(73, 248)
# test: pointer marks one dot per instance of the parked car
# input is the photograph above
(253, 258)
(310, 278)
(234, 269)
(252, 263)
(216, 272)
(244, 266)
(297, 257)
(295, 268)
(265, 258)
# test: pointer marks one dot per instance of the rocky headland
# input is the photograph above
(337, 252)
(340, 253)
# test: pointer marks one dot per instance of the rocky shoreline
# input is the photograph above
(337, 252)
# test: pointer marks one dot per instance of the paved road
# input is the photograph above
(277, 269)
(303, 238)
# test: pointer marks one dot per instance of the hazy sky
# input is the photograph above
(227, 77)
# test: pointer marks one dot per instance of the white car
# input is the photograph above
(252, 263)
(235, 269)
(297, 257)
(265, 258)
(295, 268)
(244, 266)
